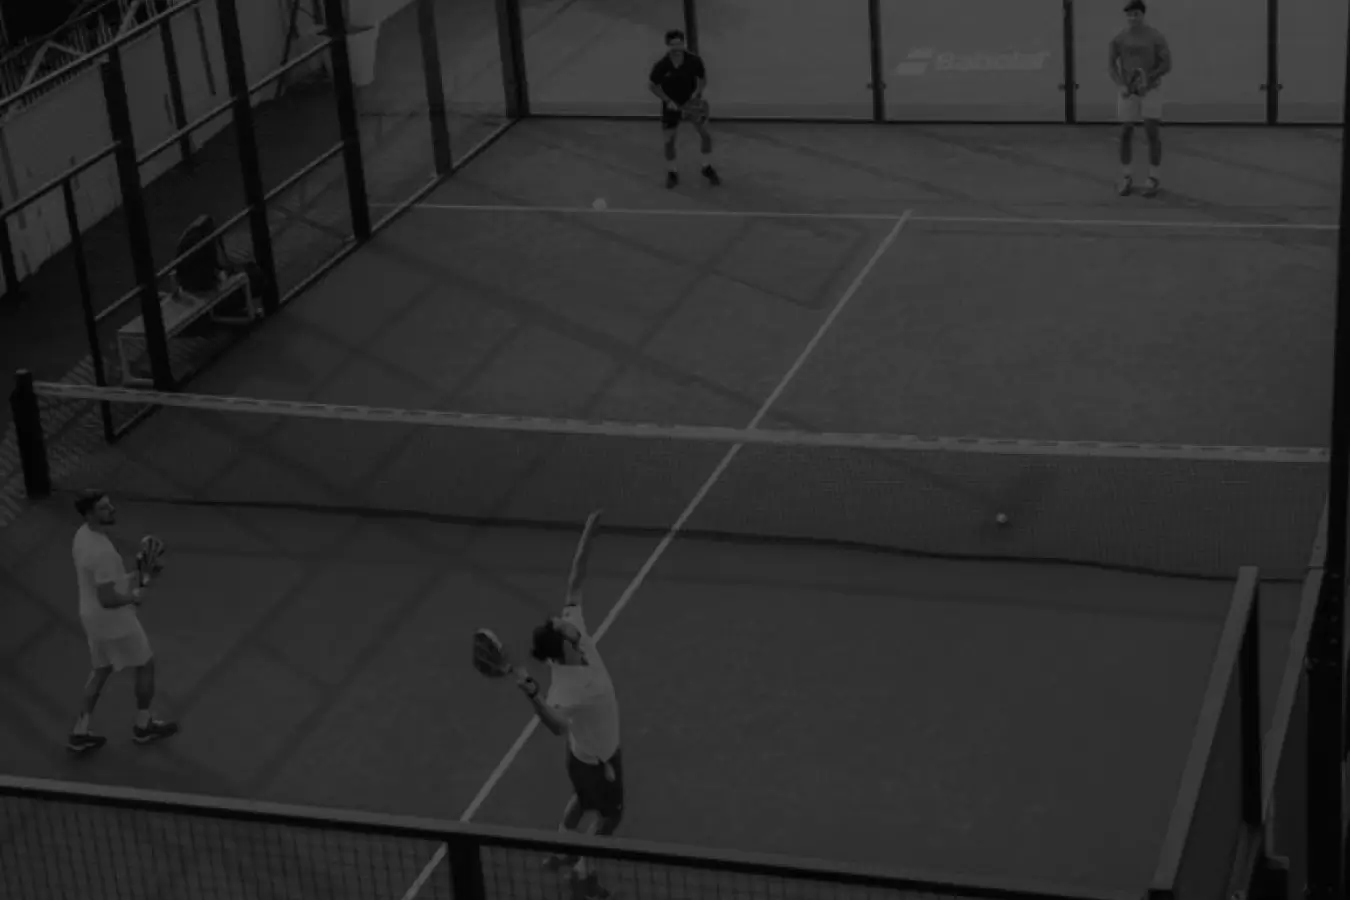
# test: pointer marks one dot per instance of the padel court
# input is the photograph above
(972, 707)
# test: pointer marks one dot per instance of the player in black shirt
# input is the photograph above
(678, 78)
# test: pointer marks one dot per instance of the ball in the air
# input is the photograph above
(1001, 518)
(600, 203)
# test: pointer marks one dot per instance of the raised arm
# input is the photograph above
(577, 577)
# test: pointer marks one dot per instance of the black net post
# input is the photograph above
(232, 46)
(1272, 87)
(180, 119)
(465, 858)
(1326, 659)
(348, 125)
(431, 72)
(878, 63)
(691, 24)
(1070, 85)
(133, 210)
(511, 40)
(23, 403)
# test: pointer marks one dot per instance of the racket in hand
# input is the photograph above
(491, 658)
(1136, 83)
(149, 558)
(696, 111)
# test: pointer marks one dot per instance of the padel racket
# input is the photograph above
(149, 558)
(1136, 83)
(490, 655)
(696, 111)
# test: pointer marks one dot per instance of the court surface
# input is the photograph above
(974, 718)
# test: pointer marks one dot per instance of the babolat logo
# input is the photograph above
(923, 59)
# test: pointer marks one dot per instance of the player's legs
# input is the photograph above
(80, 740)
(1127, 111)
(670, 129)
(148, 727)
(1151, 113)
(599, 789)
(706, 146)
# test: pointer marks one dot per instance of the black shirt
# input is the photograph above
(679, 82)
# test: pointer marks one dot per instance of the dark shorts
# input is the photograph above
(594, 791)
(670, 118)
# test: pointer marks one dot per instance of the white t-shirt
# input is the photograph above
(98, 562)
(584, 696)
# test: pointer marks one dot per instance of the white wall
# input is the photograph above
(70, 124)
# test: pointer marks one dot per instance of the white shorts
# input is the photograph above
(1132, 110)
(128, 651)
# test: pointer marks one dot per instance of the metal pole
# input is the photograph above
(87, 302)
(23, 402)
(511, 41)
(878, 61)
(431, 73)
(133, 209)
(175, 89)
(250, 171)
(1326, 653)
(1273, 85)
(348, 124)
(1070, 65)
(691, 25)
(8, 267)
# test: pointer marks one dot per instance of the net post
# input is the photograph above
(236, 76)
(348, 125)
(465, 858)
(23, 403)
(878, 63)
(1070, 85)
(133, 209)
(180, 119)
(511, 41)
(431, 72)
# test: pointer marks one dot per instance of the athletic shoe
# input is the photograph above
(672, 179)
(85, 743)
(1151, 187)
(156, 730)
(1125, 186)
(711, 174)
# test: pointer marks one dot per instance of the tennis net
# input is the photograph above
(1171, 510)
(61, 841)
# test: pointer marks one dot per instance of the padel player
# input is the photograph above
(678, 79)
(581, 703)
(109, 596)
(1138, 59)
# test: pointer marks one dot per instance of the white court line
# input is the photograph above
(909, 216)
(675, 530)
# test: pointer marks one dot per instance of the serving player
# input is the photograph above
(109, 596)
(1139, 48)
(581, 704)
(678, 79)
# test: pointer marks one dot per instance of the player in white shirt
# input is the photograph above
(109, 596)
(581, 704)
